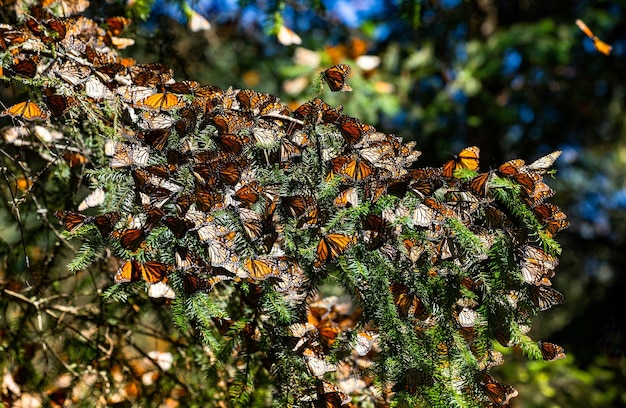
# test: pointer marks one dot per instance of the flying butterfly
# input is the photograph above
(466, 159)
(25, 110)
(542, 164)
(330, 247)
(335, 77)
(600, 45)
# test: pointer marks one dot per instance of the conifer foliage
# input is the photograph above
(238, 213)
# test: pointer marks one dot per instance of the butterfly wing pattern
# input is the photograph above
(350, 203)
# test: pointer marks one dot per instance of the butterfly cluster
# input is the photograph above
(229, 193)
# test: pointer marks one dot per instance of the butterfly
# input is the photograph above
(498, 393)
(551, 351)
(544, 297)
(511, 167)
(330, 396)
(116, 25)
(58, 104)
(130, 239)
(542, 164)
(352, 129)
(536, 265)
(261, 268)
(408, 305)
(155, 138)
(94, 199)
(72, 221)
(178, 226)
(335, 77)
(132, 271)
(26, 67)
(353, 166)
(317, 364)
(600, 45)
(182, 87)
(71, 72)
(248, 193)
(330, 247)
(347, 197)
(466, 159)
(161, 101)
(480, 184)
(553, 219)
(25, 110)
(304, 208)
(126, 155)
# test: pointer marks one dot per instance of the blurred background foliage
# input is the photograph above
(516, 78)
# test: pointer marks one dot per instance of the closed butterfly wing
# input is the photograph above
(128, 272)
(544, 297)
(335, 77)
(551, 351)
(71, 220)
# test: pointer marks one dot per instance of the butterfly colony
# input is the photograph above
(229, 196)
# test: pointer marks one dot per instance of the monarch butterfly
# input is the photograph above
(542, 164)
(498, 393)
(511, 167)
(302, 206)
(72, 220)
(130, 239)
(423, 215)
(480, 184)
(161, 101)
(353, 166)
(260, 269)
(408, 305)
(58, 104)
(209, 199)
(252, 222)
(132, 271)
(335, 77)
(536, 264)
(178, 226)
(109, 71)
(116, 25)
(348, 197)
(94, 199)
(600, 45)
(466, 159)
(551, 351)
(155, 138)
(182, 87)
(352, 129)
(248, 193)
(329, 396)
(411, 380)
(126, 155)
(330, 247)
(26, 67)
(25, 110)
(71, 72)
(317, 364)
(544, 297)
(540, 193)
